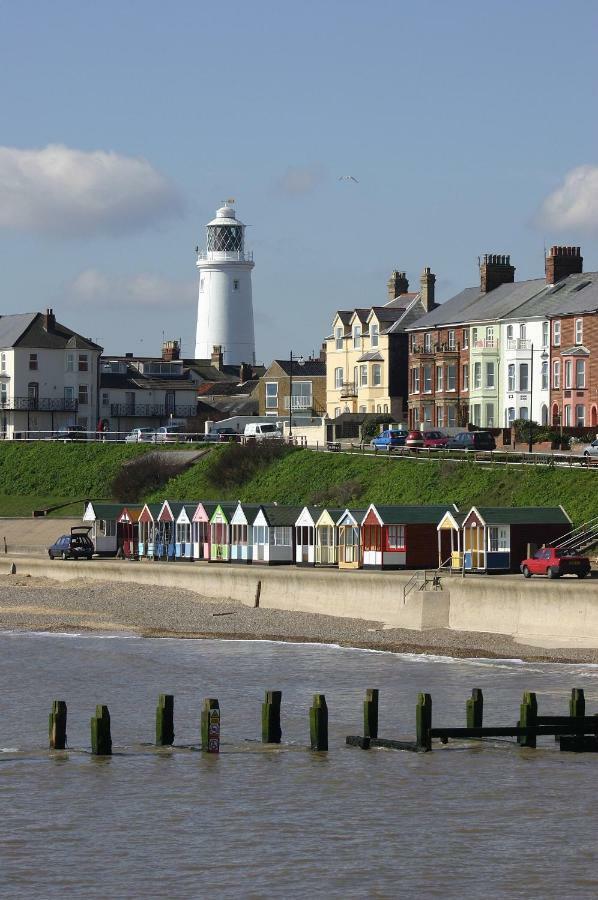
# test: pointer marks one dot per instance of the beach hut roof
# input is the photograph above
(410, 515)
(280, 515)
(521, 515)
(95, 510)
(355, 514)
(226, 509)
(152, 511)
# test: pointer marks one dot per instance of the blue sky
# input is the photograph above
(470, 127)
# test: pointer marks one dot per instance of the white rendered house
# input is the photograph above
(225, 306)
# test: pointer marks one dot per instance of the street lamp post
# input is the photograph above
(301, 362)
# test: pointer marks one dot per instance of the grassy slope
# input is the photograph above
(36, 475)
(293, 479)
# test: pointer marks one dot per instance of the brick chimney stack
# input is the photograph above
(171, 350)
(397, 284)
(322, 356)
(217, 356)
(245, 373)
(563, 261)
(49, 320)
(427, 283)
(494, 271)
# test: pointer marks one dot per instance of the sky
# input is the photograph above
(470, 127)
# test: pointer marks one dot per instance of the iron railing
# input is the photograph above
(151, 410)
(39, 404)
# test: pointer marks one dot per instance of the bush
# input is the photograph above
(238, 463)
(137, 478)
(338, 494)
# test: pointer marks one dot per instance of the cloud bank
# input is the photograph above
(152, 292)
(574, 204)
(64, 192)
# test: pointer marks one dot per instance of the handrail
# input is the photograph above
(577, 535)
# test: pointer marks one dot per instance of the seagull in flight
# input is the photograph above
(348, 178)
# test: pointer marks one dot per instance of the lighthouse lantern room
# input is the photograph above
(225, 306)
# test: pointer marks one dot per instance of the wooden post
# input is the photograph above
(423, 721)
(271, 731)
(577, 703)
(210, 726)
(318, 723)
(57, 725)
(528, 716)
(370, 713)
(101, 740)
(475, 709)
(165, 721)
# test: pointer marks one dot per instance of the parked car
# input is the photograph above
(170, 434)
(263, 431)
(140, 435)
(435, 439)
(591, 449)
(222, 435)
(71, 433)
(554, 563)
(472, 440)
(76, 545)
(414, 439)
(388, 438)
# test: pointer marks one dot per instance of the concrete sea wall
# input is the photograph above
(562, 613)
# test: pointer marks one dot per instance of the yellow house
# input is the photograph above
(367, 352)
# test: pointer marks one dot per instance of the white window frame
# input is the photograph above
(439, 378)
(556, 333)
(580, 420)
(556, 374)
(524, 375)
(466, 338)
(271, 395)
(451, 377)
(568, 374)
(338, 337)
(579, 331)
(451, 340)
(580, 374)
(376, 375)
(545, 334)
(511, 378)
(339, 374)
(465, 376)
(375, 334)
(357, 337)
(363, 375)
(544, 375)
(477, 377)
(428, 342)
(490, 376)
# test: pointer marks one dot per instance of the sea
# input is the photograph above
(466, 820)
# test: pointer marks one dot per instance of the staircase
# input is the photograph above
(578, 539)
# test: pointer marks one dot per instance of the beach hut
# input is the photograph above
(127, 530)
(103, 519)
(200, 529)
(220, 532)
(496, 539)
(241, 545)
(165, 533)
(401, 537)
(305, 536)
(273, 534)
(450, 549)
(183, 545)
(147, 527)
(349, 538)
(327, 537)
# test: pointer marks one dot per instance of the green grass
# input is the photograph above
(295, 478)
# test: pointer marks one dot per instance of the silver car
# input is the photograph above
(140, 435)
(591, 449)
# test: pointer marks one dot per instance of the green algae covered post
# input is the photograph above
(528, 717)
(475, 709)
(423, 721)
(318, 723)
(57, 725)
(271, 731)
(370, 713)
(101, 739)
(165, 720)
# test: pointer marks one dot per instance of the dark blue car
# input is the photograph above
(76, 545)
(388, 439)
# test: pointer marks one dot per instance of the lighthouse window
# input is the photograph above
(236, 284)
(201, 284)
(224, 238)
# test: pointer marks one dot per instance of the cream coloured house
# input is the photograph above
(367, 352)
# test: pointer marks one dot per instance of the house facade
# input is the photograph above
(305, 397)
(367, 352)
(485, 356)
(48, 377)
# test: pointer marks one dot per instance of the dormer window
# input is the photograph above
(374, 334)
(338, 338)
(357, 337)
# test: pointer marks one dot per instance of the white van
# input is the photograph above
(263, 431)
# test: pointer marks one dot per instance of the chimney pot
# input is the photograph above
(561, 262)
(495, 270)
(397, 284)
(49, 319)
(427, 287)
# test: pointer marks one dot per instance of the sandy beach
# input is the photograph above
(41, 604)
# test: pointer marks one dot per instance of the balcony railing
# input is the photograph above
(348, 389)
(298, 402)
(519, 345)
(444, 347)
(39, 404)
(151, 410)
(486, 344)
(225, 255)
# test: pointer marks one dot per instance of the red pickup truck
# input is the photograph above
(555, 563)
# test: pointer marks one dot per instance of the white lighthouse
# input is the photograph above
(224, 307)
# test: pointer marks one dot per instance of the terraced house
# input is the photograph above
(486, 356)
(367, 352)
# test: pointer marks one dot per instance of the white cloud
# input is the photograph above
(66, 192)
(301, 179)
(153, 292)
(574, 204)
